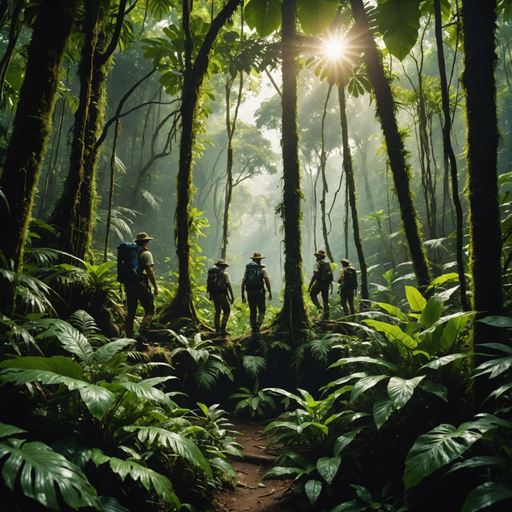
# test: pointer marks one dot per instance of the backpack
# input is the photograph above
(349, 279)
(129, 269)
(253, 277)
(216, 282)
(325, 272)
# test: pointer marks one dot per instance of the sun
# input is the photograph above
(334, 49)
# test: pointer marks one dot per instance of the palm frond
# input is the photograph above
(153, 201)
(84, 323)
(254, 365)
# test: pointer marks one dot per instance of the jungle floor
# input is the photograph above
(253, 494)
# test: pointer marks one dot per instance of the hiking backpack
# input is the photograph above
(349, 279)
(216, 282)
(128, 263)
(253, 276)
(325, 272)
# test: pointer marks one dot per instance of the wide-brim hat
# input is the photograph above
(321, 253)
(221, 263)
(257, 256)
(344, 260)
(142, 236)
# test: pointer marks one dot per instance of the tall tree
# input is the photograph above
(32, 124)
(395, 145)
(478, 28)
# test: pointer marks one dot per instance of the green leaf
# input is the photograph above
(416, 300)
(316, 15)
(328, 467)
(394, 311)
(145, 389)
(264, 16)
(486, 495)
(401, 390)
(393, 332)
(180, 444)
(76, 343)
(382, 409)
(106, 352)
(437, 448)
(399, 22)
(364, 359)
(431, 313)
(497, 321)
(41, 470)
(441, 361)
(344, 440)
(148, 478)
(436, 388)
(313, 489)
(364, 384)
(9, 430)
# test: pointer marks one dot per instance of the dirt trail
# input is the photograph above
(253, 494)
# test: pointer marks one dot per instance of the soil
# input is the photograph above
(253, 494)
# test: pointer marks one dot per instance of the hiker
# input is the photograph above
(255, 279)
(140, 291)
(348, 280)
(320, 282)
(219, 284)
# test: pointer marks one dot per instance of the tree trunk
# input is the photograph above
(479, 24)
(193, 78)
(293, 314)
(450, 155)
(395, 147)
(349, 172)
(32, 124)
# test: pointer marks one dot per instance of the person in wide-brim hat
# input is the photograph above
(345, 261)
(142, 236)
(321, 253)
(221, 263)
(257, 256)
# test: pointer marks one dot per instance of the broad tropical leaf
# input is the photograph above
(431, 313)
(106, 352)
(263, 15)
(328, 467)
(316, 15)
(486, 495)
(364, 384)
(145, 389)
(41, 470)
(382, 410)
(441, 361)
(393, 333)
(364, 359)
(313, 489)
(343, 441)
(400, 390)
(416, 301)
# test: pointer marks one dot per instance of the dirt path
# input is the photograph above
(253, 494)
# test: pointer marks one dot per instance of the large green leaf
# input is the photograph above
(486, 495)
(434, 450)
(393, 310)
(416, 300)
(364, 359)
(382, 409)
(344, 440)
(497, 321)
(313, 489)
(400, 390)
(181, 445)
(145, 389)
(393, 333)
(76, 343)
(147, 477)
(436, 388)
(60, 365)
(9, 430)
(316, 15)
(41, 470)
(399, 22)
(441, 361)
(364, 384)
(328, 467)
(105, 353)
(431, 313)
(263, 15)
(97, 399)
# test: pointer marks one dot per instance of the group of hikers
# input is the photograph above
(135, 271)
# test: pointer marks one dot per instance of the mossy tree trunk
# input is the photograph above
(193, 78)
(351, 185)
(450, 155)
(395, 146)
(478, 27)
(293, 314)
(33, 121)
(75, 209)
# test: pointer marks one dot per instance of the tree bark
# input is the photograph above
(293, 314)
(32, 124)
(450, 156)
(478, 26)
(395, 147)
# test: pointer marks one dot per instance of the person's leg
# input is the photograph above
(325, 299)
(131, 304)
(351, 302)
(252, 300)
(344, 297)
(148, 303)
(315, 290)
(262, 307)
(226, 310)
(216, 303)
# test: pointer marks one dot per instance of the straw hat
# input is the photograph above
(221, 263)
(344, 260)
(320, 253)
(142, 236)
(257, 256)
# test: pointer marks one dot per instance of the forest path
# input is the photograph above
(253, 494)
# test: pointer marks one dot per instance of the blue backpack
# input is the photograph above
(253, 277)
(128, 263)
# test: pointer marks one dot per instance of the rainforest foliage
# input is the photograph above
(378, 132)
